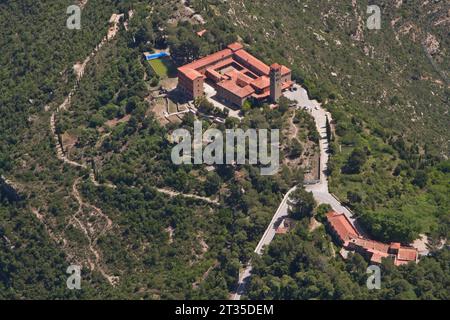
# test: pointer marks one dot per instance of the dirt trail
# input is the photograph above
(60, 154)
(79, 69)
(175, 193)
(52, 235)
(90, 232)
(102, 223)
(82, 220)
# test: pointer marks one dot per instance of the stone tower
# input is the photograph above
(275, 82)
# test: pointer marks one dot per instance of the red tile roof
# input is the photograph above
(231, 86)
(263, 95)
(223, 63)
(261, 83)
(254, 62)
(208, 60)
(214, 74)
(377, 250)
(236, 81)
(377, 256)
(371, 245)
(342, 226)
(239, 77)
(190, 73)
(235, 46)
(407, 254)
(285, 70)
(275, 66)
(395, 245)
(281, 230)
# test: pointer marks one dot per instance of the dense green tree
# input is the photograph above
(328, 130)
(296, 149)
(301, 204)
(212, 183)
(355, 162)
(420, 179)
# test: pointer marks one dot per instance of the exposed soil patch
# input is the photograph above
(158, 107)
(309, 159)
(93, 223)
(170, 230)
(114, 122)
(314, 224)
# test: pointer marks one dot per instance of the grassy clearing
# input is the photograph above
(164, 67)
(172, 107)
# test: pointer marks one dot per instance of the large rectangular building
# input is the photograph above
(236, 75)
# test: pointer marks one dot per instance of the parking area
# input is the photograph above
(299, 94)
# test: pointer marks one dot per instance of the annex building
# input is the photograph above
(236, 75)
(350, 239)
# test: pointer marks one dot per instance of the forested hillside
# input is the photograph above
(302, 265)
(386, 90)
(37, 54)
(382, 77)
(132, 240)
(143, 228)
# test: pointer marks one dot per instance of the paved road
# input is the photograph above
(266, 239)
(319, 190)
(281, 213)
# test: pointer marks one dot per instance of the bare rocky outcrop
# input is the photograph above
(82, 3)
(431, 44)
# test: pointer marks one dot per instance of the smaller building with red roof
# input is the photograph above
(341, 227)
(349, 238)
(405, 255)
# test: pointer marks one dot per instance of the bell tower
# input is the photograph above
(275, 82)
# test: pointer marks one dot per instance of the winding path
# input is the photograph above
(79, 69)
(266, 239)
(75, 220)
(319, 190)
(92, 238)
(172, 193)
